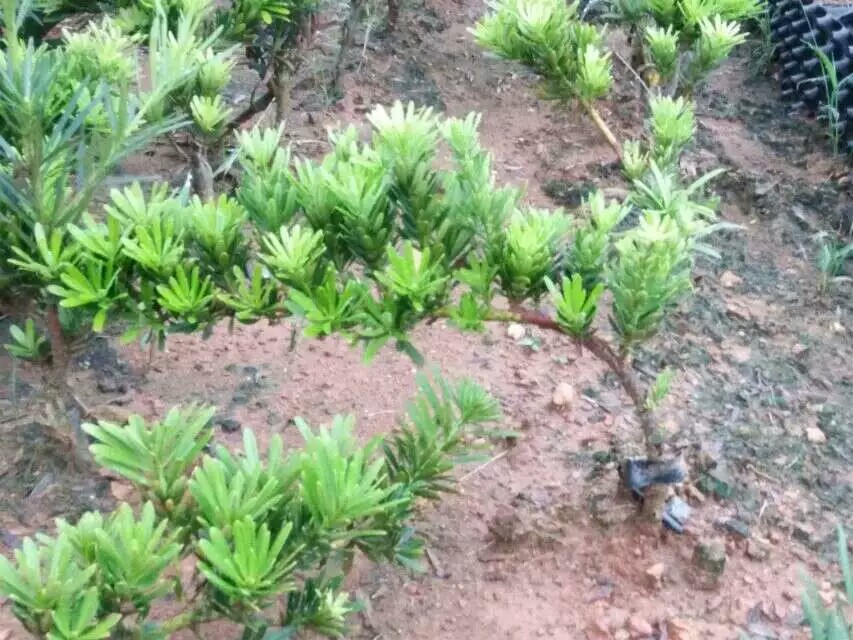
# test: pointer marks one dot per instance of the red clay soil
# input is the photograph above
(538, 543)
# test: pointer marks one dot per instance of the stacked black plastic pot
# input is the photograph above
(799, 25)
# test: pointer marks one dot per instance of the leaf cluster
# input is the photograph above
(685, 40)
(260, 529)
(549, 37)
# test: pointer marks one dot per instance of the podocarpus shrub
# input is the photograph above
(375, 238)
(370, 240)
(270, 537)
(831, 622)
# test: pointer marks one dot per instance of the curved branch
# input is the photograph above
(618, 363)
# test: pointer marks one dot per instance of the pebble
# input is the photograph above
(516, 331)
(228, 425)
(564, 395)
(756, 551)
(598, 629)
(680, 629)
(737, 527)
(639, 627)
(791, 594)
(710, 556)
(730, 280)
(655, 574)
(815, 435)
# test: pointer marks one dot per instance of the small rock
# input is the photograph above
(110, 413)
(516, 331)
(564, 395)
(799, 350)
(680, 629)
(655, 574)
(719, 482)
(730, 280)
(737, 527)
(601, 592)
(805, 533)
(9, 539)
(617, 618)
(691, 492)
(109, 383)
(639, 627)
(740, 354)
(838, 328)
(227, 423)
(597, 630)
(678, 513)
(739, 311)
(621, 634)
(791, 593)
(43, 486)
(121, 491)
(756, 550)
(710, 556)
(506, 526)
(815, 435)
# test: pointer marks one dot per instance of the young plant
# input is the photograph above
(827, 623)
(274, 32)
(549, 37)
(271, 537)
(831, 258)
(829, 110)
(381, 235)
(764, 49)
(27, 343)
(678, 43)
(646, 269)
(63, 132)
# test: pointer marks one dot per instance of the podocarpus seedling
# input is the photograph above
(68, 116)
(685, 41)
(764, 49)
(831, 258)
(271, 537)
(829, 109)
(830, 622)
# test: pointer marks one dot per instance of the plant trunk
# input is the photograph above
(281, 83)
(638, 55)
(202, 175)
(60, 355)
(654, 496)
(601, 125)
(345, 43)
(621, 366)
(393, 14)
(654, 502)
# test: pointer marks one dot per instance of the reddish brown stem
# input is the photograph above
(654, 496)
(60, 357)
(393, 15)
(619, 364)
(282, 71)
